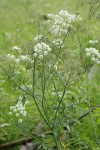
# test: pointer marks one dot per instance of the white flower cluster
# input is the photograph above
(41, 50)
(69, 17)
(10, 57)
(93, 42)
(62, 21)
(18, 110)
(94, 54)
(16, 48)
(26, 59)
(13, 58)
(58, 42)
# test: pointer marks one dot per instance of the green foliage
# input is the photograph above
(60, 88)
(3, 130)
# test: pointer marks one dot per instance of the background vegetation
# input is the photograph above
(17, 27)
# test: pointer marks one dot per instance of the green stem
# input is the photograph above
(89, 105)
(42, 115)
(58, 146)
(64, 92)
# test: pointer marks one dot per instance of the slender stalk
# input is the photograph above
(64, 91)
(42, 115)
(58, 146)
(89, 105)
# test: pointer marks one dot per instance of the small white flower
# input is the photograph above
(36, 49)
(98, 62)
(12, 107)
(41, 56)
(93, 59)
(49, 49)
(87, 54)
(19, 108)
(20, 120)
(45, 53)
(53, 93)
(21, 111)
(24, 113)
(35, 54)
(10, 113)
(14, 110)
(55, 67)
(17, 114)
(23, 107)
(39, 46)
(40, 51)
(17, 60)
